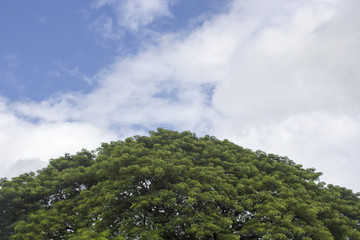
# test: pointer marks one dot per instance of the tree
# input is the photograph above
(174, 185)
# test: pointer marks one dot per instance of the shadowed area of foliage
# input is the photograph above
(174, 185)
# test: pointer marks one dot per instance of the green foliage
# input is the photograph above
(174, 185)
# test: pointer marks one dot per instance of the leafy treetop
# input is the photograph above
(174, 185)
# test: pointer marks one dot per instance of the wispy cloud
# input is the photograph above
(42, 20)
(272, 75)
(73, 72)
(54, 73)
(134, 14)
(11, 60)
(9, 64)
(104, 27)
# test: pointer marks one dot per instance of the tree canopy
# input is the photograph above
(172, 185)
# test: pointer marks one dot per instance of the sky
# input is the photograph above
(275, 75)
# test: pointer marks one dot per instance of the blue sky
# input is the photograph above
(50, 47)
(280, 76)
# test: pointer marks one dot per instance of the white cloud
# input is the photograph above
(135, 14)
(21, 166)
(104, 27)
(272, 75)
(26, 141)
(322, 140)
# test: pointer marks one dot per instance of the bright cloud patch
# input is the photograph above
(325, 141)
(133, 14)
(32, 144)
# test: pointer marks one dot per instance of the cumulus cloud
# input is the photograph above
(323, 140)
(22, 166)
(280, 76)
(33, 143)
(290, 68)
